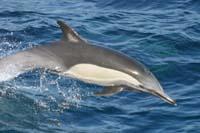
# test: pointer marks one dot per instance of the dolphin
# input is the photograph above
(74, 57)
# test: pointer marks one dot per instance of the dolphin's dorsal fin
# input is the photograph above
(68, 33)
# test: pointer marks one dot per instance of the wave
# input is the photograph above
(19, 13)
(149, 5)
(138, 4)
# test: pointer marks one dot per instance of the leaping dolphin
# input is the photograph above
(74, 57)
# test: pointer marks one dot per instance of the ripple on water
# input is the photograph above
(164, 35)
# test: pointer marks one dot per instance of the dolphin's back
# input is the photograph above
(69, 54)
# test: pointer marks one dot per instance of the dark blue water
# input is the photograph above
(164, 35)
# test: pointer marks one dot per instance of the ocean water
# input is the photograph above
(163, 35)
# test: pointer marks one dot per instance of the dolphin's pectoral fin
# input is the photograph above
(110, 90)
(69, 34)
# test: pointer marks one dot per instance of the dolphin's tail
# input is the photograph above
(13, 65)
(16, 64)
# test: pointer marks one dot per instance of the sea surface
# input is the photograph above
(163, 35)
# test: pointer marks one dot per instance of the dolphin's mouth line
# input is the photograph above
(169, 100)
(164, 97)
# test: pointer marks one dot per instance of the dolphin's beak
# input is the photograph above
(165, 97)
(159, 93)
(150, 84)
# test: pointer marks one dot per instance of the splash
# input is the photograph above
(61, 93)
(48, 91)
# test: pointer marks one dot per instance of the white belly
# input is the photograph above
(99, 75)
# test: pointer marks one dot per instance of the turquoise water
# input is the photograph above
(163, 35)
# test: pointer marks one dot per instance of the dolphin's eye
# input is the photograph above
(147, 72)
